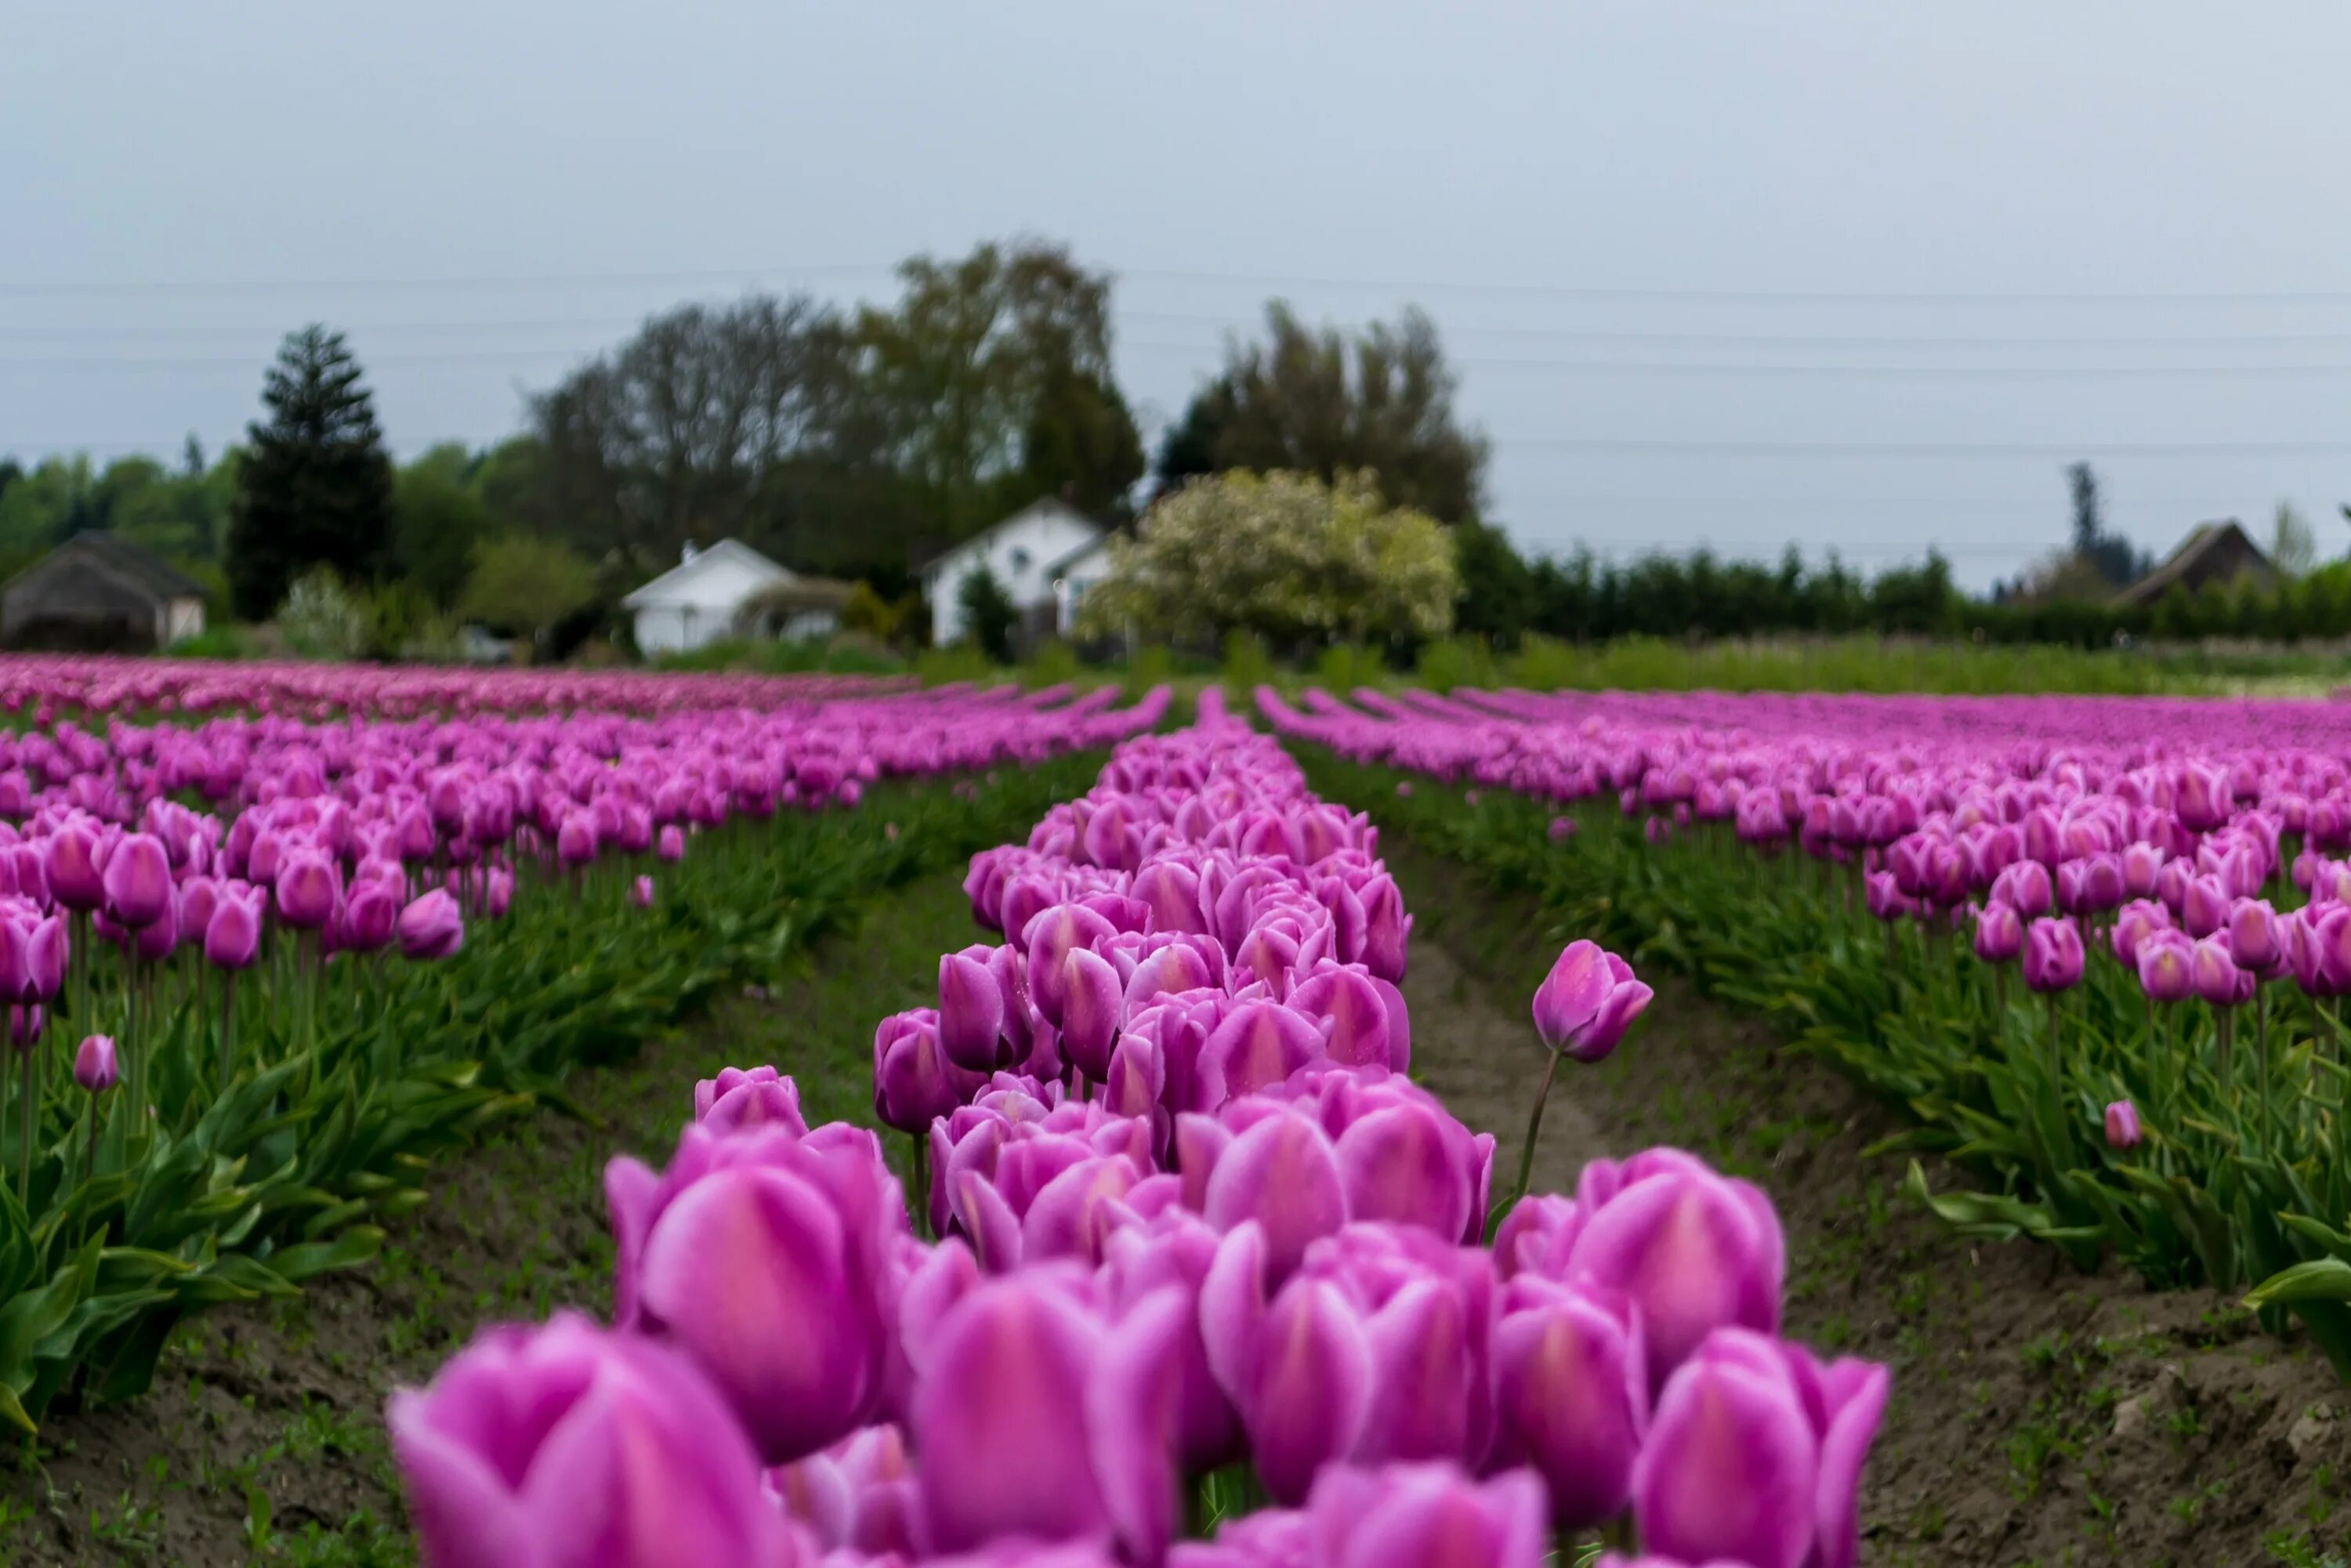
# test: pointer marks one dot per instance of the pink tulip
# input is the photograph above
(1586, 1002)
(759, 1227)
(137, 881)
(233, 940)
(1999, 931)
(2053, 954)
(567, 1447)
(1695, 1251)
(94, 1064)
(431, 928)
(1755, 1455)
(2122, 1126)
(737, 1099)
(970, 1012)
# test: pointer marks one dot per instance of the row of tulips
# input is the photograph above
(43, 688)
(1193, 1272)
(256, 970)
(2095, 947)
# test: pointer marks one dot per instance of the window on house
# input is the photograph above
(1019, 559)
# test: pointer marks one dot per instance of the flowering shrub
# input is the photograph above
(1283, 555)
(1193, 1242)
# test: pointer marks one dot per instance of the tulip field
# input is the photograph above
(1186, 1219)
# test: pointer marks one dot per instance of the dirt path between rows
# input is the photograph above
(2040, 1416)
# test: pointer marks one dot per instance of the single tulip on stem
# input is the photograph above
(1582, 1009)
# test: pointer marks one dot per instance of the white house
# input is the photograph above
(1030, 553)
(702, 600)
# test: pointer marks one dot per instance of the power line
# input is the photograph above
(1658, 368)
(448, 283)
(1590, 336)
(1636, 446)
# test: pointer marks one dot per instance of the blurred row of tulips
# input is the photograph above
(256, 970)
(1193, 1272)
(2096, 948)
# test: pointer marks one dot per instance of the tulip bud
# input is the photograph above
(526, 1425)
(369, 917)
(431, 928)
(1587, 1001)
(641, 892)
(971, 1011)
(71, 867)
(2203, 906)
(1091, 1012)
(2165, 966)
(671, 845)
(1570, 1395)
(2254, 940)
(2122, 1126)
(1755, 1456)
(2024, 887)
(94, 1066)
(2053, 954)
(307, 887)
(1999, 931)
(137, 881)
(233, 938)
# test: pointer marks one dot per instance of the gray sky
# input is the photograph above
(2147, 197)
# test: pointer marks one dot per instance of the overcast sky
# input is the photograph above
(1856, 275)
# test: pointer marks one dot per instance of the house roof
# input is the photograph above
(661, 589)
(122, 562)
(2203, 540)
(1044, 506)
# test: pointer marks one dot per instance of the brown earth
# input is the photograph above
(2039, 1416)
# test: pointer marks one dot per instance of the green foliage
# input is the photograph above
(838, 441)
(989, 614)
(1343, 667)
(438, 522)
(221, 639)
(1458, 661)
(1284, 555)
(1051, 665)
(1377, 402)
(1247, 665)
(845, 655)
(314, 487)
(956, 662)
(526, 585)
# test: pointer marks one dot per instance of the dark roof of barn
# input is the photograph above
(119, 559)
(2204, 541)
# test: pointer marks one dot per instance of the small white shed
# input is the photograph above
(701, 600)
(1028, 552)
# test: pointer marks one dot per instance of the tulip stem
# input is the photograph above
(921, 1206)
(2261, 1064)
(1534, 1126)
(228, 1030)
(26, 1113)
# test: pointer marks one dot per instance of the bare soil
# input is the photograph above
(2040, 1416)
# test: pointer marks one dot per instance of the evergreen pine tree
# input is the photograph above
(315, 486)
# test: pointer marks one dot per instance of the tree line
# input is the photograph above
(854, 442)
